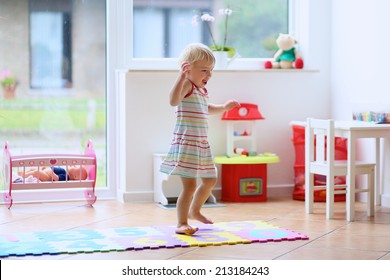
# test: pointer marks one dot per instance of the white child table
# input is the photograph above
(353, 130)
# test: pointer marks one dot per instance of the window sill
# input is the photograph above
(238, 65)
(230, 70)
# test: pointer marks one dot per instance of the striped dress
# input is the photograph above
(190, 154)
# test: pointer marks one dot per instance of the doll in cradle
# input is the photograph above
(57, 173)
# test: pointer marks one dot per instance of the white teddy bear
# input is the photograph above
(287, 56)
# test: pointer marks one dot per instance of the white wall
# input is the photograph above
(359, 64)
(282, 96)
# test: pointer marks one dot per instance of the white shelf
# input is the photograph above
(242, 138)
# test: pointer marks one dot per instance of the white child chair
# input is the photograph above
(319, 159)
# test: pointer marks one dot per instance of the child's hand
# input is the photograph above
(231, 104)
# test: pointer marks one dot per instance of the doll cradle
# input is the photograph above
(14, 165)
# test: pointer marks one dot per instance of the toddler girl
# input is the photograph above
(190, 155)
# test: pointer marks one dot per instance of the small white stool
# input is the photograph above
(167, 188)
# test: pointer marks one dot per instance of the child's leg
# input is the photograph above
(183, 206)
(201, 195)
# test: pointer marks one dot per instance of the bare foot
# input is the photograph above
(186, 229)
(200, 218)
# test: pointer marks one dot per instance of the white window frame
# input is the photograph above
(124, 48)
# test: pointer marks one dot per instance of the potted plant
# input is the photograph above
(221, 51)
(8, 84)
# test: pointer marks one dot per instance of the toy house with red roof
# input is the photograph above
(241, 128)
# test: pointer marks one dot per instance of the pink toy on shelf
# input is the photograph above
(19, 181)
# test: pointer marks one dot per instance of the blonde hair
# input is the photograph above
(196, 52)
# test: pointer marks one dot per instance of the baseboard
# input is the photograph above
(385, 200)
(280, 190)
(147, 196)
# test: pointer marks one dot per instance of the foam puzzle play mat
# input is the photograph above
(140, 238)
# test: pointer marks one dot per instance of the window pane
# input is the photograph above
(47, 50)
(163, 28)
(256, 25)
(152, 21)
(58, 57)
(180, 32)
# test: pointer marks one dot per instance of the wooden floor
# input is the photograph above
(367, 238)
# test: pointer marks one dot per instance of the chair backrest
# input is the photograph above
(319, 140)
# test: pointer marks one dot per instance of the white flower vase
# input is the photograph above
(221, 60)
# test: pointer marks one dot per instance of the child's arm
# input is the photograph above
(220, 108)
(181, 86)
